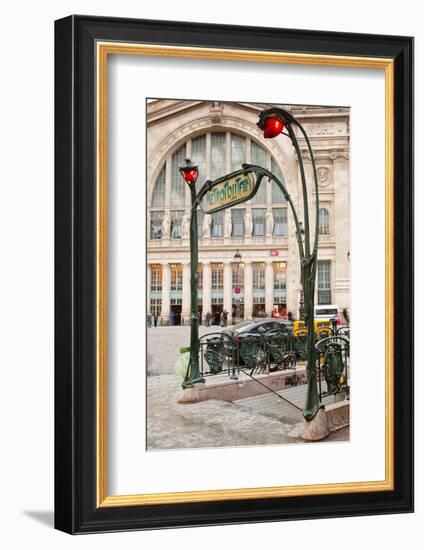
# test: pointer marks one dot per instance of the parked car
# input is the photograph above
(258, 326)
(255, 328)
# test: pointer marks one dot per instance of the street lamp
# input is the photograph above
(237, 261)
(273, 122)
(190, 172)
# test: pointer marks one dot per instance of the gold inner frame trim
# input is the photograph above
(104, 49)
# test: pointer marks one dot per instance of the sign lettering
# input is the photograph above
(228, 191)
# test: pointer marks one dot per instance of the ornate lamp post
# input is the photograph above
(190, 172)
(273, 122)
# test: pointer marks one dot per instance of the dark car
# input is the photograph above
(258, 326)
(255, 355)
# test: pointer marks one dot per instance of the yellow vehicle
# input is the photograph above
(322, 328)
(299, 328)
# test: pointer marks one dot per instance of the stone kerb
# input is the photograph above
(230, 390)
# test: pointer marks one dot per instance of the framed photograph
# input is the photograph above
(234, 274)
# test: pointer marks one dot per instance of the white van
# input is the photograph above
(328, 311)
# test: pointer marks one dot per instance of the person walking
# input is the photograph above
(225, 317)
(208, 319)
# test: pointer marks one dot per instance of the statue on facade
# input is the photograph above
(185, 226)
(269, 223)
(248, 223)
(166, 226)
(207, 223)
(228, 224)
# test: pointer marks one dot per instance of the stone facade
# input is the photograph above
(219, 136)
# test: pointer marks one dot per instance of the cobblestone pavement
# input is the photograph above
(212, 423)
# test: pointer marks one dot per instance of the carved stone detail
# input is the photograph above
(216, 111)
(326, 129)
(324, 176)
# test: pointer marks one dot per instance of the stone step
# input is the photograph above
(270, 405)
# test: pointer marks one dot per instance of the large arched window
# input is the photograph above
(216, 154)
(323, 222)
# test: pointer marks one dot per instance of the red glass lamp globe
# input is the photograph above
(273, 127)
(190, 176)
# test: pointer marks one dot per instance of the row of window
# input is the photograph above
(217, 271)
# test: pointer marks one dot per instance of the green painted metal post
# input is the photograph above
(193, 375)
(273, 122)
(308, 265)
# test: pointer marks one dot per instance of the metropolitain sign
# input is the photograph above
(228, 191)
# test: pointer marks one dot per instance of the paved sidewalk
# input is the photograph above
(259, 420)
(164, 343)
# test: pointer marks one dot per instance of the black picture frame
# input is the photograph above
(76, 509)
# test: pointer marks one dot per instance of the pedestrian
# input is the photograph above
(290, 316)
(221, 319)
(346, 316)
(225, 317)
(208, 319)
(149, 320)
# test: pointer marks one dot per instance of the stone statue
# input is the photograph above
(269, 223)
(207, 223)
(248, 223)
(228, 225)
(185, 226)
(166, 226)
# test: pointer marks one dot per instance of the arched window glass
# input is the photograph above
(277, 194)
(217, 155)
(238, 151)
(177, 182)
(158, 197)
(323, 222)
(198, 156)
(259, 157)
(217, 228)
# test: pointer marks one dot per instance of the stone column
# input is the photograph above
(166, 293)
(269, 287)
(248, 289)
(227, 153)
(293, 260)
(148, 283)
(207, 285)
(228, 290)
(208, 155)
(339, 223)
(168, 179)
(185, 310)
